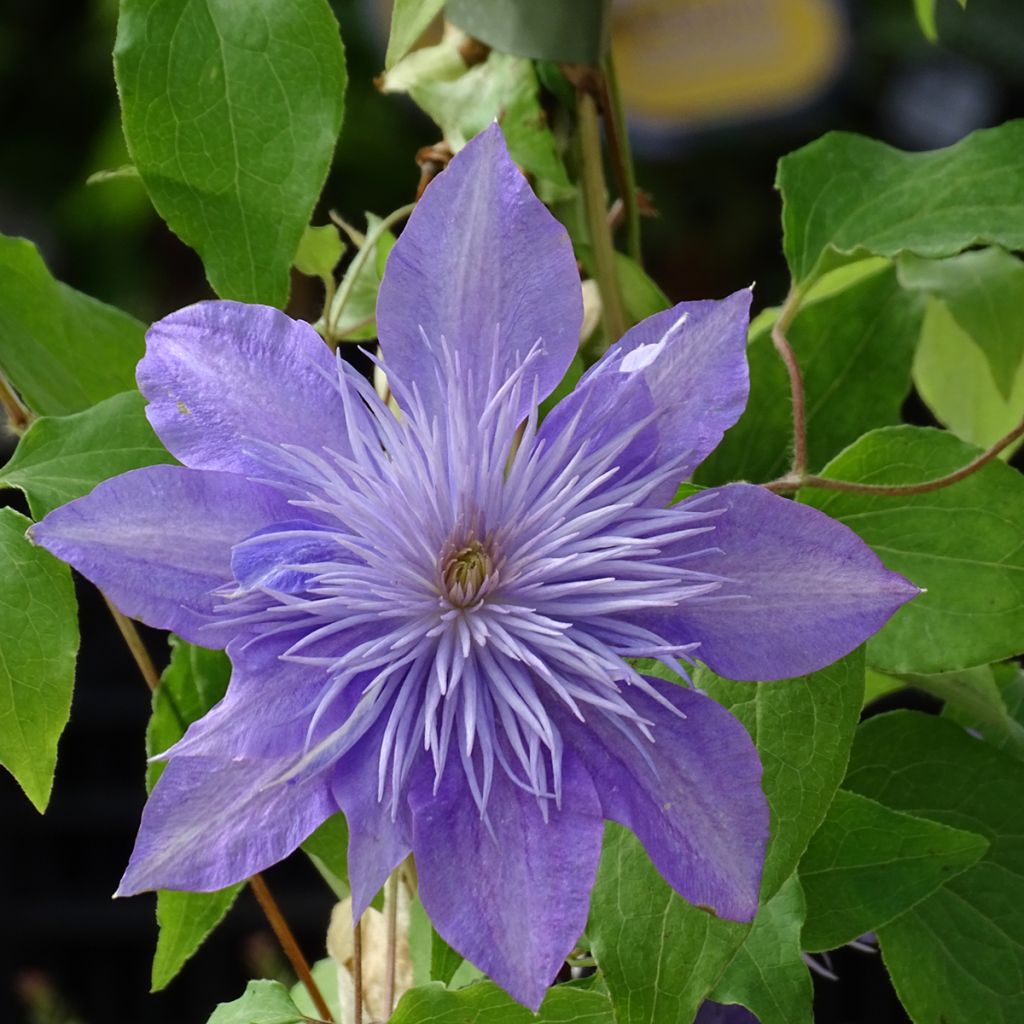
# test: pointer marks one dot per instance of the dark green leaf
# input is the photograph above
(191, 684)
(63, 457)
(231, 112)
(868, 864)
(846, 196)
(484, 1001)
(570, 31)
(62, 350)
(263, 1002)
(38, 645)
(658, 954)
(961, 543)
(409, 20)
(855, 350)
(803, 729)
(984, 292)
(954, 379)
(768, 975)
(958, 956)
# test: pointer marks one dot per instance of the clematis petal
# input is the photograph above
(271, 556)
(724, 1013)
(221, 377)
(510, 893)
(378, 841)
(693, 361)
(158, 541)
(693, 796)
(483, 269)
(211, 822)
(802, 589)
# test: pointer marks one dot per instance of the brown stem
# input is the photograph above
(288, 944)
(18, 417)
(391, 900)
(796, 382)
(135, 645)
(357, 972)
(790, 483)
(622, 157)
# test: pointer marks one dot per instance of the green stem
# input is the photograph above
(623, 156)
(369, 247)
(597, 217)
(787, 314)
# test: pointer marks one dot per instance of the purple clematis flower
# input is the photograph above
(432, 617)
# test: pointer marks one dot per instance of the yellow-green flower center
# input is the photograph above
(464, 572)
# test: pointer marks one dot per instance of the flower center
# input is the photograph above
(464, 572)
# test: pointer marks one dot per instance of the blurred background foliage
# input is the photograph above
(715, 90)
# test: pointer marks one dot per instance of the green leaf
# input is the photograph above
(327, 847)
(325, 974)
(855, 350)
(570, 31)
(954, 378)
(768, 975)
(958, 956)
(263, 1002)
(353, 313)
(319, 251)
(444, 961)
(192, 683)
(868, 864)
(409, 20)
(984, 292)
(658, 954)
(185, 919)
(845, 196)
(463, 101)
(62, 350)
(231, 111)
(60, 458)
(484, 1001)
(961, 543)
(925, 11)
(974, 699)
(38, 645)
(803, 729)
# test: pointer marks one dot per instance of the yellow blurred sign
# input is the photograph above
(687, 61)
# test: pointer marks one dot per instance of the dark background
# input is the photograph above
(67, 953)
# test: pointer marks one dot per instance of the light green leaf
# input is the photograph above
(958, 956)
(325, 974)
(658, 954)
(984, 292)
(353, 313)
(60, 458)
(464, 101)
(444, 961)
(192, 683)
(231, 111)
(855, 350)
(961, 543)
(953, 377)
(409, 20)
(768, 975)
(925, 11)
(38, 645)
(803, 729)
(263, 1002)
(327, 847)
(868, 864)
(570, 31)
(484, 1001)
(62, 350)
(845, 196)
(319, 251)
